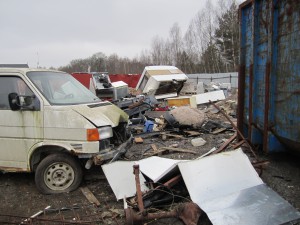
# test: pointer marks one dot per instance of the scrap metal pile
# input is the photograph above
(224, 185)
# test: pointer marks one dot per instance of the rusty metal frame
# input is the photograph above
(189, 212)
(237, 130)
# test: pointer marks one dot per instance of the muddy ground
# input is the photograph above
(20, 198)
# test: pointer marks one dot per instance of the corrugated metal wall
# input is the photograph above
(270, 73)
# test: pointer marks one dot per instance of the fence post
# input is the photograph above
(197, 79)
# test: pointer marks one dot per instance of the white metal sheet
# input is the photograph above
(229, 190)
(121, 178)
(258, 205)
(156, 167)
(210, 96)
(218, 175)
(118, 84)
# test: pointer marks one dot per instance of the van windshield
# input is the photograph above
(61, 88)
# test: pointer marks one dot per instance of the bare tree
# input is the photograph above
(210, 44)
(157, 49)
(176, 43)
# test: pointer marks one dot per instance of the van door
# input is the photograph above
(19, 130)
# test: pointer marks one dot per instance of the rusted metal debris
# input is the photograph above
(225, 144)
(189, 212)
(237, 130)
(136, 172)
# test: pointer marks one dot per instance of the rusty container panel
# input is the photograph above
(269, 85)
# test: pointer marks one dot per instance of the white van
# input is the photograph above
(52, 125)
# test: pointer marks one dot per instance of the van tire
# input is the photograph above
(58, 173)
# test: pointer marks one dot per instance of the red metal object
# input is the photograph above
(166, 108)
(84, 78)
(130, 79)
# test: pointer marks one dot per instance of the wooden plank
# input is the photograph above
(138, 140)
(192, 133)
(90, 196)
(153, 146)
(155, 149)
(163, 149)
(174, 135)
(219, 130)
(178, 150)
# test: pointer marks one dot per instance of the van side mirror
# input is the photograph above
(14, 101)
(19, 102)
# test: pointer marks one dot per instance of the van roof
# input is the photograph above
(23, 70)
(14, 65)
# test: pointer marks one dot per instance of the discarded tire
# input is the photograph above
(58, 173)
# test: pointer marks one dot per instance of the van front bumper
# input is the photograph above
(110, 154)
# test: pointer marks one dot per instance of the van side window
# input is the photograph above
(22, 88)
(6, 87)
(11, 85)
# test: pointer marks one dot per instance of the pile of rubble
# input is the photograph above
(222, 185)
(174, 166)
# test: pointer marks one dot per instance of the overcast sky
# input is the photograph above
(55, 32)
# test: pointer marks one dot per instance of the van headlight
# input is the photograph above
(105, 132)
(97, 134)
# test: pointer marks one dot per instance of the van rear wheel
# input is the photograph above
(58, 173)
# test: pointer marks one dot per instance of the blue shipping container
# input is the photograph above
(269, 74)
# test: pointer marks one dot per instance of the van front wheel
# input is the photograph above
(58, 173)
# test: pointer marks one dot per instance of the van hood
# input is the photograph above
(102, 114)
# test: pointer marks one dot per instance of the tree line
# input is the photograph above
(210, 45)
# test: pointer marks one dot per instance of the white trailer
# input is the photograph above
(161, 81)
